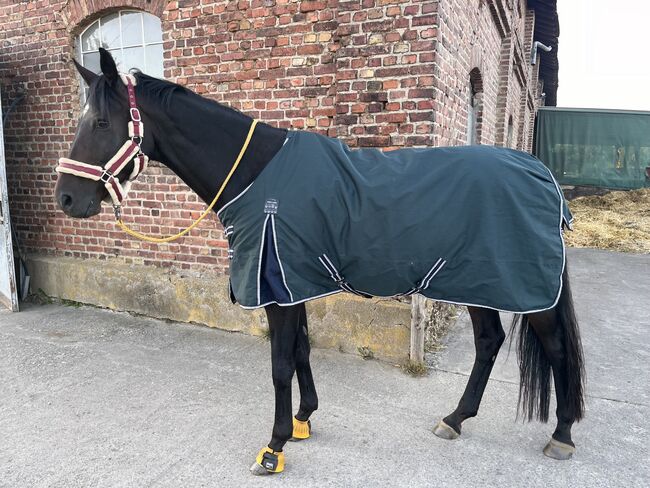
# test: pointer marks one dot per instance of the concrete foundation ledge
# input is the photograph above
(343, 321)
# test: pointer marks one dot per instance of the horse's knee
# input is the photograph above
(283, 374)
(303, 349)
(302, 360)
(282, 381)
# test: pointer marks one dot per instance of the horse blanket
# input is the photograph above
(473, 225)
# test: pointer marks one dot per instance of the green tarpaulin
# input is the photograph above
(604, 148)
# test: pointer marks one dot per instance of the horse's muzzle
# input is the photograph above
(72, 209)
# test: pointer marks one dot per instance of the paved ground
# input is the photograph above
(95, 398)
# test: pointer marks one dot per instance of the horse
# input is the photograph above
(197, 139)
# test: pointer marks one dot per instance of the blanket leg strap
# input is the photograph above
(340, 280)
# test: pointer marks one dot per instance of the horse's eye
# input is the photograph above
(102, 124)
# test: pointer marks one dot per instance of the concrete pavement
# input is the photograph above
(95, 398)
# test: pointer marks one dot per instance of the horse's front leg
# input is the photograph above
(308, 397)
(284, 324)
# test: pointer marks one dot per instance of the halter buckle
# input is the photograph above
(135, 114)
(106, 176)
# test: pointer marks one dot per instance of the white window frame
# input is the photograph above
(98, 22)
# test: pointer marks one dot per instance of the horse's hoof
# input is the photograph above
(559, 450)
(268, 461)
(259, 470)
(301, 430)
(443, 431)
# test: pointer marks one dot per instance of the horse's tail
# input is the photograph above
(535, 367)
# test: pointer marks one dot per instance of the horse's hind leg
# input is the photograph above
(550, 341)
(488, 337)
(551, 335)
(284, 323)
(308, 397)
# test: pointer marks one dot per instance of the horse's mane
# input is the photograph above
(164, 91)
(161, 90)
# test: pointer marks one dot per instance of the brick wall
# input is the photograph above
(495, 38)
(384, 73)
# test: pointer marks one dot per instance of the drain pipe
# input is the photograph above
(537, 44)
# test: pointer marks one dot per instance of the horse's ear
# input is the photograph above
(109, 68)
(87, 75)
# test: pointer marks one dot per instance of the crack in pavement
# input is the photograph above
(509, 382)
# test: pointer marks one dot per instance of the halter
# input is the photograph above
(130, 151)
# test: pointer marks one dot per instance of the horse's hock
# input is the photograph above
(342, 321)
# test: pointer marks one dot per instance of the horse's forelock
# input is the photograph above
(100, 96)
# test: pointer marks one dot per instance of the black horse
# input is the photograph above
(186, 133)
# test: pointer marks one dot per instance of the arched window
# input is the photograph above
(510, 133)
(475, 107)
(134, 39)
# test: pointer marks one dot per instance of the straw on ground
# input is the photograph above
(617, 221)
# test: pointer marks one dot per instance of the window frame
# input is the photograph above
(98, 22)
(510, 132)
(475, 107)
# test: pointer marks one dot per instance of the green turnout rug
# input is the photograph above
(474, 225)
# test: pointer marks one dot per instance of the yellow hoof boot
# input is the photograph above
(268, 461)
(301, 430)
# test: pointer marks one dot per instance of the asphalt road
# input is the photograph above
(92, 398)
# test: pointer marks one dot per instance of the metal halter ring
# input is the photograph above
(106, 176)
(135, 114)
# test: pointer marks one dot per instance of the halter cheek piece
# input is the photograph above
(130, 151)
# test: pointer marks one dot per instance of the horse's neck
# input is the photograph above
(201, 141)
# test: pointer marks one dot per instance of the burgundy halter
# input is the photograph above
(130, 150)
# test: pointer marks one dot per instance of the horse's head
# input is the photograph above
(101, 133)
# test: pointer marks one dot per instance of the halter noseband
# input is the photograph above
(130, 150)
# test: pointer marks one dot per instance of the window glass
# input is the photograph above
(91, 61)
(132, 29)
(90, 38)
(133, 57)
(154, 56)
(110, 26)
(152, 29)
(117, 56)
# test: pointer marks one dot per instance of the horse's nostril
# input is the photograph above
(66, 201)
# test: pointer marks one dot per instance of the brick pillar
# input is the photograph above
(384, 72)
(528, 102)
(505, 70)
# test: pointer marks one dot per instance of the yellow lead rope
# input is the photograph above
(143, 237)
